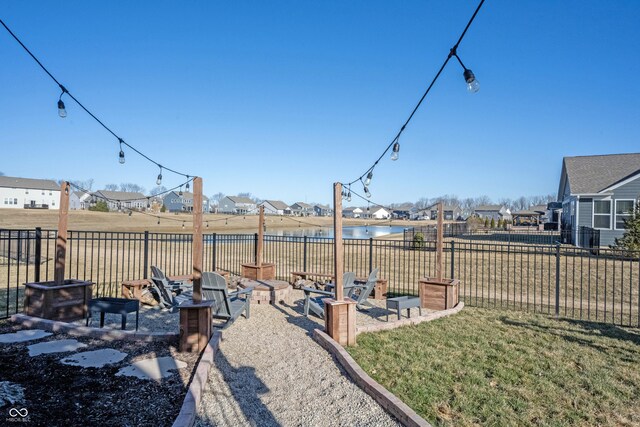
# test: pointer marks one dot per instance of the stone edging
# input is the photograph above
(411, 321)
(87, 331)
(187, 415)
(386, 399)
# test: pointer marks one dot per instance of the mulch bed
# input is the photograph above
(58, 394)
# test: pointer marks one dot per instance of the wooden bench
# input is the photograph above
(132, 289)
(295, 275)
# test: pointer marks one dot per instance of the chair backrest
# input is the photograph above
(368, 287)
(156, 272)
(214, 288)
(162, 287)
(348, 283)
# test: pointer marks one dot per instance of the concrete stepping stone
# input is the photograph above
(152, 369)
(24, 335)
(95, 358)
(59, 346)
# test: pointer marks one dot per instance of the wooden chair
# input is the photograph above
(176, 286)
(362, 290)
(163, 288)
(227, 305)
(316, 304)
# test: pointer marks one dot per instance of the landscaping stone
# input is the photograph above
(60, 346)
(24, 335)
(152, 369)
(10, 393)
(95, 358)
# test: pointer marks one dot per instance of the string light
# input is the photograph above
(183, 225)
(187, 186)
(121, 156)
(62, 111)
(159, 180)
(472, 85)
(367, 192)
(180, 192)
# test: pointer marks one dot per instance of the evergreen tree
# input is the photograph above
(486, 222)
(630, 241)
(493, 223)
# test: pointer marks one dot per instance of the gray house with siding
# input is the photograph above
(119, 200)
(495, 212)
(599, 192)
(237, 205)
(274, 207)
(176, 202)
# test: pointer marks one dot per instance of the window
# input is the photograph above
(26, 191)
(15, 201)
(624, 210)
(602, 214)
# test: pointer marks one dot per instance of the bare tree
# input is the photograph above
(111, 187)
(130, 187)
(215, 199)
(159, 189)
(86, 184)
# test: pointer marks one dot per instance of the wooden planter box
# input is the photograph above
(66, 302)
(267, 271)
(438, 295)
(380, 290)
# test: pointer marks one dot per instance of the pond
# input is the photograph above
(350, 232)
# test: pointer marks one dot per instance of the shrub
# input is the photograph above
(418, 241)
(630, 241)
(500, 223)
(163, 209)
(493, 223)
(100, 206)
(486, 223)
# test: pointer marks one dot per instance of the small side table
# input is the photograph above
(400, 303)
(121, 306)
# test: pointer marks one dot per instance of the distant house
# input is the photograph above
(598, 192)
(79, 200)
(28, 193)
(175, 202)
(117, 200)
(404, 211)
(237, 205)
(352, 212)
(274, 207)
(302, 209)
(322, 210)
(495, 212)
(380, 213)
(535, 215)
(451, 213)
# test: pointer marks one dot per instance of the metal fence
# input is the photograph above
(592, 284)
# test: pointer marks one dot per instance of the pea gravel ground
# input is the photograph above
(270, 372)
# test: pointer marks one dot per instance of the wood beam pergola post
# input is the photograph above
(195, 317)
(260, 238)
(61, 240)
(439, 243)
(197, 240)
(340, 312)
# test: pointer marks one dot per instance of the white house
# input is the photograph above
(28, 193)
(380, 213)
(352, 212)
(79, 200)
(274, 207)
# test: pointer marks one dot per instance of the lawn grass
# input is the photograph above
(492, 367)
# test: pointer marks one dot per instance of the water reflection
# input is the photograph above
(350, 232)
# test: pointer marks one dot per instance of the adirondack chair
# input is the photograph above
(176, 286)
(316, 305)
(361, 290)
(227, 305)
(167, 299)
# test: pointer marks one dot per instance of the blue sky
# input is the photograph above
(283, 98)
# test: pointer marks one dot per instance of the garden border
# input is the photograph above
(411, 321)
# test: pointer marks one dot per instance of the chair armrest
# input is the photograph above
(236, 294)
(308, 291)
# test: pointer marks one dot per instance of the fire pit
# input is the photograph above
(267, 291)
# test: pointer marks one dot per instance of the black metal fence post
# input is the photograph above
(304, 254)
(370, 254)
(557, 280)
(214, 253)
(38, 255)
(146, 256)
(255, 247)
(453, 257)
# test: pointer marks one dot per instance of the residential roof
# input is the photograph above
(592, 174)
(236, 199)
(538, 208)
(121, 195)
(327, 207)
(280, 205)
(490, 208)
(445, 207)
(527, 212)
(28, 183)
(303, 205)
(404, 207)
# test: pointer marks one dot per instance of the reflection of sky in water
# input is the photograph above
(351, 232)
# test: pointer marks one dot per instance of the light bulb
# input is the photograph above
(129, 213)
(187, 187)
(148, 204)
(473, 85)
(396, 151)
(62, 112)
(367, 192)
(368, 180)
(121, 157)
(158, 222)
(180, 192)
(159, 180)
(183, 225)
(207, 224)
(349, 196)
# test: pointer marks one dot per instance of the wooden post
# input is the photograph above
(338, 248)
(340, 312)
(439, 243)
(260, 238)
(197, 240)
(61, 241)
